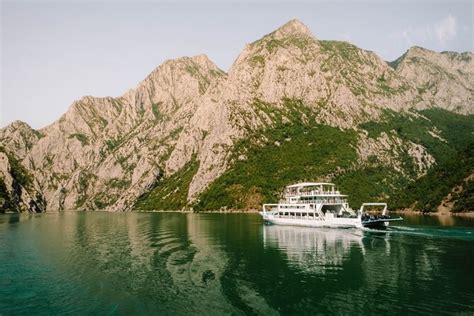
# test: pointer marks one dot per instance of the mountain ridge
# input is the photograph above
(187, 117)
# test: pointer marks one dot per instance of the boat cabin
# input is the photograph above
(314, 192)
(312, 200)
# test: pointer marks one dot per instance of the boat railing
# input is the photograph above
(309, 193)
(321, 201)
(270, 207)
(383, 205)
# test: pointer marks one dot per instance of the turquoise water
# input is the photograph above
(172, 263)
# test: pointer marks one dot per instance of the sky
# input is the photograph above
(53, 53)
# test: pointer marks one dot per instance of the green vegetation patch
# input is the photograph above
(384, 87)
(17, 171)
(257, 60)
(170, 193)
(103, 199)
(345, 50)
(156, 111)
(38, 134)
(465, 199)
(293, 110)
(117, 183)
(273, 44)
(113, 143)
(195, 70)
(373, 183)
(84, 181)
(300, 41)
(277, 157)
(80, 137)
(6, 204)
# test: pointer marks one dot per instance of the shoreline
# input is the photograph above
(412, 212)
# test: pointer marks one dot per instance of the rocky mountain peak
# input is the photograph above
(417, 50)
(17, 125)
(435, 57)
(199, 67)
(291, 28)
(442, 79)
(18, 137)
(203, 61)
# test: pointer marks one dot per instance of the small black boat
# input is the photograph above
(379, 223)
(376, 221)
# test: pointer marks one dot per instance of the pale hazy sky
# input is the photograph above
(52, 53)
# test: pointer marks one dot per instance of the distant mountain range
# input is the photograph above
(291, 108)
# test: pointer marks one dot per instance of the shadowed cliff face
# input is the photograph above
(19, 192)
(104, 153)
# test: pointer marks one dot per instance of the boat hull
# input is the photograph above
(380, 223)
(332, 223)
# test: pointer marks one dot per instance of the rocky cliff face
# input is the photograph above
(444, 80)
(107, 151)
(18, 191)
(182, 123)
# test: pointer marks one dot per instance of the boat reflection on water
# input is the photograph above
(314, 250)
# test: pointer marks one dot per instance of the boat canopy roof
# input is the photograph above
(309, 184)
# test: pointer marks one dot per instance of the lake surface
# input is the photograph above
(173, 263)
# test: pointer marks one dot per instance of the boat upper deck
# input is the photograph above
(313, 189)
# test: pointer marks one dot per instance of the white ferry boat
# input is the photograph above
(318, 204)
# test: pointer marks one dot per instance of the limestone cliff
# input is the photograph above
(107, 151)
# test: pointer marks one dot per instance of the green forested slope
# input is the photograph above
(454, 156)
(298, 152)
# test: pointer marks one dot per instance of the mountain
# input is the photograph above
(442, 79)
(291, 108)
(106, 151)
